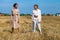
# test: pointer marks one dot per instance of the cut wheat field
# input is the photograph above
(50, 29)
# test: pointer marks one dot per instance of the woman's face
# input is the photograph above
(35, 7)
(16, 6)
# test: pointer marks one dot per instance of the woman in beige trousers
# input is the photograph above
(15, 17)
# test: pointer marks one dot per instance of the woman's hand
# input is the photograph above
(18, 21)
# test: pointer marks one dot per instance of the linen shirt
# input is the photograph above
(37, 13)
(15, 16)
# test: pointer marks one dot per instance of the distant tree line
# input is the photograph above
(49, 14)
(7, 14)
(4, 14)
(25, 14)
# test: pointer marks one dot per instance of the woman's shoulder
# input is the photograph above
(17, 9)
(39, 10)
(12, 10)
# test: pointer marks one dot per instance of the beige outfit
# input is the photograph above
(15, 18)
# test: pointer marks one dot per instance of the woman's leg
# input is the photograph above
(39, 26)
(34, 26)
(12, 27)
(18, 29)
(17, 25)
(12, 30)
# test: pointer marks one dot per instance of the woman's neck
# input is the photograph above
(15, 8)
(36, 9)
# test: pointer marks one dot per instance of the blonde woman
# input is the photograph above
(15, 17)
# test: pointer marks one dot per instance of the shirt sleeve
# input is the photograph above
(11, 15)
(18, 14)
(32, 15)
(39, 15)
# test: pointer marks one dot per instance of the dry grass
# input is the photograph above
(50, 28)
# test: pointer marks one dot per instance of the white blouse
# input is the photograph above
(36, 13)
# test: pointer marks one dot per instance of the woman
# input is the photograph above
(15, 17)
(36, 18)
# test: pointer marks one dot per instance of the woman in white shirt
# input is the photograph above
(36, 18)
(15, 17)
